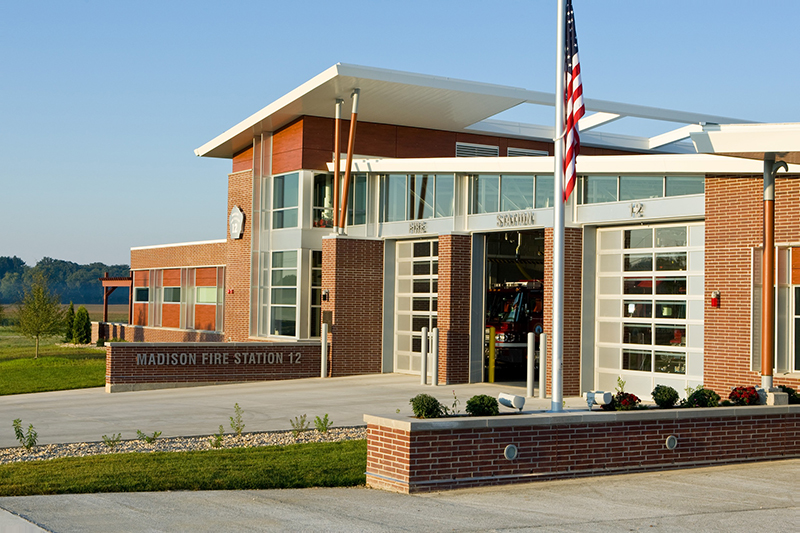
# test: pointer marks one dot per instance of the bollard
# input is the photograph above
(423, 364)
(543, 366)
(491, 353)
(324, 339)
(435, 356)
(531, 364)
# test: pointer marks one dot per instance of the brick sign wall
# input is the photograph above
(409, 455)
(138, 366)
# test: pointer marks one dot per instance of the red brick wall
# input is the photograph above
(178, 256)
(352, 272)
(148, 334)
(403, 458)
(453, 305)
(243, 160)
(573, 254)
(734, 221)
(308, 143)
(237, 261)
(176, 363)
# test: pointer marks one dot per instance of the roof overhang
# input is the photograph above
(434, 102)
(750, 141)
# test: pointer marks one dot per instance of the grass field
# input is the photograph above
(58, 367)
(328, 464)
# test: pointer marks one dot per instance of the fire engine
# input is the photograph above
(514, 309)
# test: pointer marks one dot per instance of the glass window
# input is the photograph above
(172, 295)
(323, 201)
(670, 309)
(670, 335)
(420, 197)
(517, 193)
(637, 286)
(544, 192)
(206, 295)
(316, 293)
(637, 334)
(357, 201)
(394, 197)
(284, 201)
(638, 187)
(638, 262)
(141, 295)
(445, 192)
(599, 189)
(670, 362)
(671, 285)
(283, 295)
(636, 309)
(485, 193)
(681, 185)
(636, 360)
(638, 238)
(672, 236)
(673, 261)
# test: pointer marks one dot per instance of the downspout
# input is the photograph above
(337, 125)
(348, 168)
(768, 272)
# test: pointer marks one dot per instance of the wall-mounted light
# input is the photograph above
(324, 295)
(715, 299)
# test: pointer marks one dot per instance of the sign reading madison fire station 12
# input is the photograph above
(216, 358)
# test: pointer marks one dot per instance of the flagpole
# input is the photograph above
(557, 334)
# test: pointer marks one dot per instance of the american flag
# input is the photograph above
(573, 102)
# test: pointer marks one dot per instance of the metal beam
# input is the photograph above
(596, 120)
(673, 136)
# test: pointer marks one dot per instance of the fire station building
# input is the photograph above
(449, 224)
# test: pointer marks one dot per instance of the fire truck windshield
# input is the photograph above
(506, 306)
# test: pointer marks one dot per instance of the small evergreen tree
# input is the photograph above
(82, 327)
(40, 313)
(68, 323)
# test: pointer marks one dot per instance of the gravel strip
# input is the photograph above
(178, 444)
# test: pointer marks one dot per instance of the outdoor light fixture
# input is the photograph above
(512, 401)
(715, 299)
(324, 295)
(597, 397)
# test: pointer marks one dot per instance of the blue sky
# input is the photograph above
(102, 103)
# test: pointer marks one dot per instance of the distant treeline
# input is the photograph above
(71, 281)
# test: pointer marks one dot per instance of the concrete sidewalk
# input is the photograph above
(86, 415)
(726, 499)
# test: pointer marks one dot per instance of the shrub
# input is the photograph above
(744, 396)
(69, 321)
(622, 401)
(426, 406)
(28, 440)
(665, 396)
(216, 439)
(101, 342)
(237, 425)
(702, 397)
(113, 440)
(483, 405)
(794, 397)
(147, 438)
(82, 327)
(299, 425)
(322, 424)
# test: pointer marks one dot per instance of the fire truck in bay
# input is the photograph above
(514, 309)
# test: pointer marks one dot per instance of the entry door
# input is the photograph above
(415, 300)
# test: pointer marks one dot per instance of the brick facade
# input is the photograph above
(132, 366)
(733, 227)
(130, 333)
(430, 455)
(237, 260)
(573, 266)
(179, 255)
(455, 252)
(352, 272)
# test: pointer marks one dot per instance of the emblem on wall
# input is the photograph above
(236, 223)
(637, 210)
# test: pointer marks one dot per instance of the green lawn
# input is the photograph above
(328, 464)
(58, 368)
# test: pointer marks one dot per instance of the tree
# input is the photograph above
(82, 327)
(68, 322)
(1, 315)
(40, 313)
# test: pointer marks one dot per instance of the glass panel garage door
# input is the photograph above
(650, 307)
(415, 300)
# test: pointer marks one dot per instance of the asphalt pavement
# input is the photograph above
(729, 498)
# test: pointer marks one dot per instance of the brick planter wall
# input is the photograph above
(108, 330)
(140, 366)
(409, 455)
